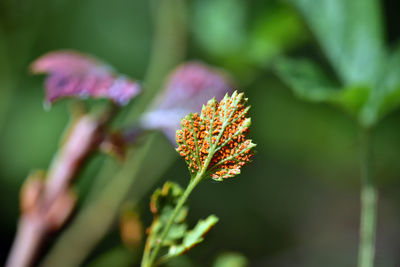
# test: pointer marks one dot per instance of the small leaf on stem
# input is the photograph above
(178, 239)
(194, 236)
(162, 204)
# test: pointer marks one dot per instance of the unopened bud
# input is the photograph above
(31, 191)
(131, 229)
(115, 145)
(60, 210)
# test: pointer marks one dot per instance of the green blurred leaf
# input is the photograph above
(181, 261)
(386, 95)
(271, 31)
(354, 98)
(118, 256)
(231, 259)
(193, 237)
(219, 25)
(276, 30)
(351, 35)
(309, 82)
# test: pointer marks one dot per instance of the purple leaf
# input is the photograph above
(187, 88)
(73, 74)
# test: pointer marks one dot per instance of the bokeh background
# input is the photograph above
(297, 204)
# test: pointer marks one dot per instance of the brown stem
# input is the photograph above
(84, 137)
(29, 237)
(46, 207)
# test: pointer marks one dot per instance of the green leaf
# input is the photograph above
(117, 256)
(386, 95)
(181, 261)
(216, 21)
(276, 30)
(309, 82)
(178, 239)
(353, 99)
(165, 198)
(231, 259)
(193, 237)
(162, 204)
(351, 34)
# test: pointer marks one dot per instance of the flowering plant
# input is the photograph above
(214, 144)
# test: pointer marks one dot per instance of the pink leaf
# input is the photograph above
(192, 84)
(187, 88)
(73, 74)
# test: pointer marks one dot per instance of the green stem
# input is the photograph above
(369, 198)
(149, 257)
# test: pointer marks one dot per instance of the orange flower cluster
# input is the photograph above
(216, 139)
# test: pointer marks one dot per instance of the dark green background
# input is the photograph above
(297, 204)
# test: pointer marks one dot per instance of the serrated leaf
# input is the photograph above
(215, 143)
(351, 35)
(73, 74)
(193, 237)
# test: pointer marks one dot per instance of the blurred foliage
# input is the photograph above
(118, 256)
(242, 37)
(230, 259)
(297, 204)
(355, 48)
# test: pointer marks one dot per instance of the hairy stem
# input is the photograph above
(150, 256)
(369, 197)
(87, 230)
(29, 237)
(53, 202)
